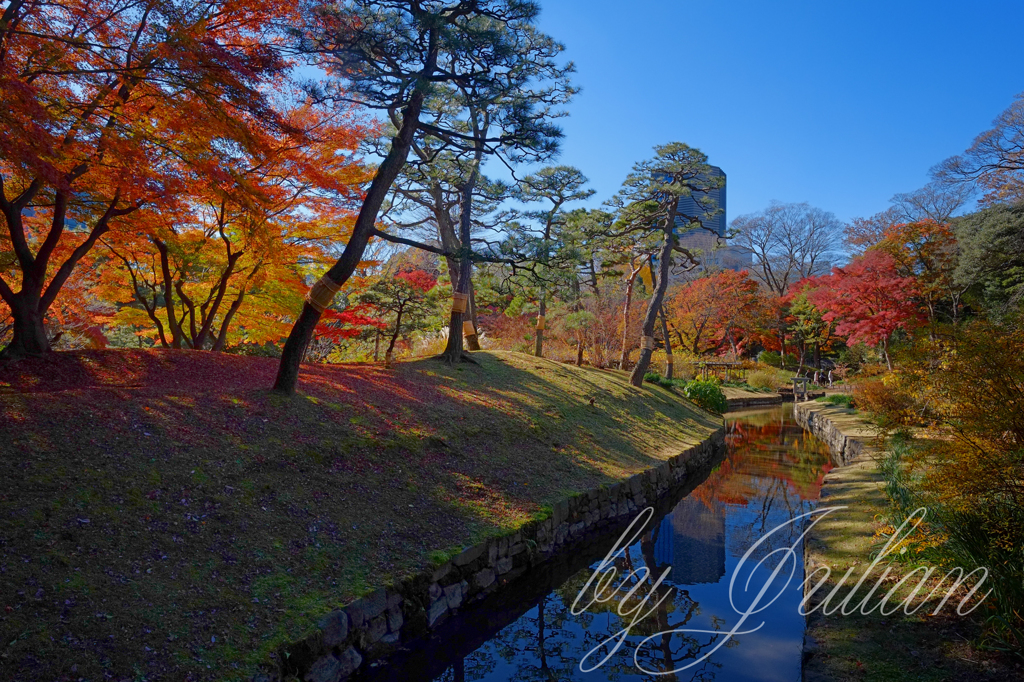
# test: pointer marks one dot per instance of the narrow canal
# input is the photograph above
(771, 473)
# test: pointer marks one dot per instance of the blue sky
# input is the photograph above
(839, 104)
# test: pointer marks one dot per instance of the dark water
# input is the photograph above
(771, 473)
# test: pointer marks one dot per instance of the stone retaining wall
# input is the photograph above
(743, 403)
(374, 625)
(844, 447)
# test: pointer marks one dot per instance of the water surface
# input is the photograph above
(771, 473)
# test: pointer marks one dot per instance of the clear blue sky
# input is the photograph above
(840, 104)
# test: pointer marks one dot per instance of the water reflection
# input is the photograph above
(772, 473)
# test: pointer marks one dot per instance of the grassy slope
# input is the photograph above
(732, 393)
(166, 517)
(894, 648)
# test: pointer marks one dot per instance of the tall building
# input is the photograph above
(687, 207)
(708, 242)
(691, 539)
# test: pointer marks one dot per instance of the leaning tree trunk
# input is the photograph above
(647, 347)
(624, 356)
(668, 343)
(472, 340)
(387, 172)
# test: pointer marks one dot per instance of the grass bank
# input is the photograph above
(875, 647)
(164, 516)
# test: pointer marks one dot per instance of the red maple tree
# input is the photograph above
(868, 300)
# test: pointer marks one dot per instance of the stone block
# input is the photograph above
(374, 630)
(395, 619)
(334, 627)
(469, 555)
(453, 595)
(483, 579)
(434, 592)
(436, 612)
(326, 669)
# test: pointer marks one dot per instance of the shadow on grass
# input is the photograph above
(166, 515)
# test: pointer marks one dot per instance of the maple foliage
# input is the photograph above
(404, 300)
(111, 106)
(868, 300)
(927, 251)
(337, 325)
(715, 309)
(239, 255)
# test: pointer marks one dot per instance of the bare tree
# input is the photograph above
(937, 201)
(788, 242)
(994, 163)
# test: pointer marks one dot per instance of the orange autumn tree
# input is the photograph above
(927, 251)
(250, 232)
(714, 309)
(109, 106)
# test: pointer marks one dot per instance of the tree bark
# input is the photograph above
(29, 305)
(453, 350)
(29, 332)
(472, 340)
(644, 361)
(624, 357)
(668, 343)
(542, 307)
(538, 348)
(302, 331)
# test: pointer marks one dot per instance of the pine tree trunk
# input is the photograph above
(644, 361)
(472, 340)
(538, 349)
(387, 172)
(453, 350)
(624, 357)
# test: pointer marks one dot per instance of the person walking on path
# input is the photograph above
(830, 378)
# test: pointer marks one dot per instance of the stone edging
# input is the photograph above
(844, 449)
(742, 403)
(376, 624)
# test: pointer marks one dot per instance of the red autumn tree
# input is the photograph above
(247, 238)
(107, 106)
(403, 300)
(868, 300)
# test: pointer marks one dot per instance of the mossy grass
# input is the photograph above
(208, 525)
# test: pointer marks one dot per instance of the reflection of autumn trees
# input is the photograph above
(774, 469)
(772, 473)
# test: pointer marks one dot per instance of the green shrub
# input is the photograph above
(707, 394)
(844, 399)
(653, 377)
(769, 357)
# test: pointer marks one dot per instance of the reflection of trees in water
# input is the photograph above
(772, 473)
(774, 470)
(548, 642)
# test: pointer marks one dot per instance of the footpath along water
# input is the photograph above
(772, 473)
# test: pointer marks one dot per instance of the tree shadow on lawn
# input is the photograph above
(188, 517)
